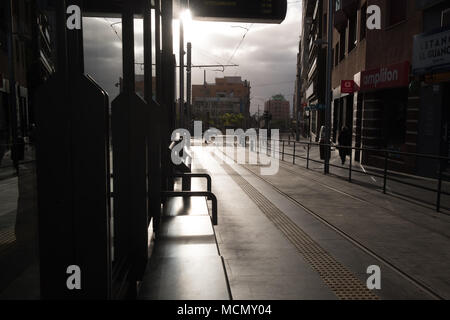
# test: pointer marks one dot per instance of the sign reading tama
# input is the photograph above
(431, 52)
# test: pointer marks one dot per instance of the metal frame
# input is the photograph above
(195, 175)
(209, 195)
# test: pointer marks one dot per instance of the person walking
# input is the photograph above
(345, 141)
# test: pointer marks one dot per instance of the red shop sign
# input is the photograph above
(348, 86)
(396, 75)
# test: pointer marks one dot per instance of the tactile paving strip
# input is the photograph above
(338, 278)
(7, 239)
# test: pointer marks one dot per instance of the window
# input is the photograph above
(363, 22)
(352, 25)
(445, 18)
(397, 11)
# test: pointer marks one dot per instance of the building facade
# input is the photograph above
(313, 66)
(26, 51)
(228, 95)
(431, 71)
(398, 79)
(280, 111)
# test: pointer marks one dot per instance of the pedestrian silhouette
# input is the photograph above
(345, 141)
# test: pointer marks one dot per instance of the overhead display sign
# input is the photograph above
(250, 11)
(431, 52)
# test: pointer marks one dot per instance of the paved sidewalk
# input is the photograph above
(372, 177)
(357, 227)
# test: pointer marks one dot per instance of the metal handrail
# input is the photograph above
(383, 153)
(196, 175)
(423, 155)
(209, 195)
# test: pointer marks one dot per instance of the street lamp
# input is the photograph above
(329, 44)
(328, 87)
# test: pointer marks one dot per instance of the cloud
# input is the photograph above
(266, 57)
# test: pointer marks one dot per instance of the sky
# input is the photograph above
(266, 56)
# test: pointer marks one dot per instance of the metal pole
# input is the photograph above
(181, 56)
(350, 167)
(148, 85)
(168, 90)
(12, 86)
(386, 158)
(158, 63)
(299, 103)
(282, 156)
(307, 156)
(328, 86)
(128, 52)
(293, 156)
(188, 83)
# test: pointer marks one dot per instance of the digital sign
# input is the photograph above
(254, 11)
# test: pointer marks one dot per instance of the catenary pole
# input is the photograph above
(328, 87)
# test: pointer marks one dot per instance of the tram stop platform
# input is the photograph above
(295, 235)
(185, 263)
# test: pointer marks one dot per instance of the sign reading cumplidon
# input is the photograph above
(254, 11)
(393, 76)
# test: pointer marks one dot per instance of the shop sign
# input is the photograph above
(393, 76)
(348, 86)
(431, 52)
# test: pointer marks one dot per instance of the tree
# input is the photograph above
(232, 120)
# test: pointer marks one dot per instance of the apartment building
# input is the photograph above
(279, 109)
(313, 61)
(211, 101)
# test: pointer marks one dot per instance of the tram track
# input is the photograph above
(390, 211)
(417, 283)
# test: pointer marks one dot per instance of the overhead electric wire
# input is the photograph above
(112, 27)
(216, 58)
(240, 42)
